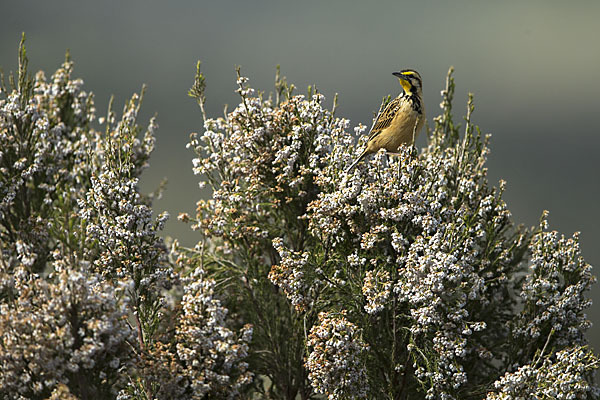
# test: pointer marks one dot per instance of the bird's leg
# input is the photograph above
(415, 129)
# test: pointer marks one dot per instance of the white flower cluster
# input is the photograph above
(125, 230)
(69, 329)
(258, 143)
(211, 354)
(204, 358)
(121, 233)
(44, 143)
(564, 376)
(288, 275)
(553, 293)
(336, 361)
(376, 289)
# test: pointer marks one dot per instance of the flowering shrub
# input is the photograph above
(405, 278)
(563, 376)
(70, 328)
(91, 306)
(335, 362)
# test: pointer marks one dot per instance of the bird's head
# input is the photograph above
(410, 80)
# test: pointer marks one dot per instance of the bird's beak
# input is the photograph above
(399, 75)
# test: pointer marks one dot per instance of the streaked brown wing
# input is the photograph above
(384, 119)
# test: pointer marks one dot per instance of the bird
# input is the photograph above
(401, 119)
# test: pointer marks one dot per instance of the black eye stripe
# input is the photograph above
(413, 75)
(415, 81)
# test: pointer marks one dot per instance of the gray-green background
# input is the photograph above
(534, 67)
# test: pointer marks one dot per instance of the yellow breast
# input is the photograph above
(404, 129)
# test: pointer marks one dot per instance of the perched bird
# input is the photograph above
(401, 120)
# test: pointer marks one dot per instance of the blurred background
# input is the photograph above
(534, 68)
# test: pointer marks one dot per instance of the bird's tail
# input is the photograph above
(363, 154)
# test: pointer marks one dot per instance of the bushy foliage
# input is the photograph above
(405, 278)
(90, 304)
